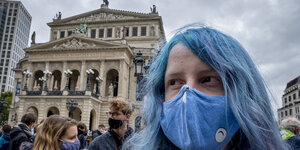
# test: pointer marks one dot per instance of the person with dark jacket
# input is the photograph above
(22, 132)
(119, 115)
(98, 131)
(5, 138)
(82, 135)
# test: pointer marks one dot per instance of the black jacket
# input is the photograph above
(18, 135)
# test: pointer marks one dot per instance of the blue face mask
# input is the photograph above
(70, 145)
(193, 120)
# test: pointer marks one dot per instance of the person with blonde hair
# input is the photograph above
(290, 129)
(57, 133)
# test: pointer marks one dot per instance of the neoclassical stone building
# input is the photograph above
(112, 40)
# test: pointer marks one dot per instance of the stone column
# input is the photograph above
(121, 84)
(97, 33)
(85, 112)
(101, 73)
(30, 79)
(89, 32)
(139, 30)
(47, 66)
(83, 76)
(63, 76)
(51, 82)
(58, 34)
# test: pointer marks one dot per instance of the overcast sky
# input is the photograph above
(268, 29)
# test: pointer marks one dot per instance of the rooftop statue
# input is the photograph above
(153, 9)
(33, 38)
(105, 2)
(57, 16)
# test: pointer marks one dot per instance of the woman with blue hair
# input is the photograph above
(204, 92)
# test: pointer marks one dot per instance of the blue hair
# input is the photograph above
(243, 85)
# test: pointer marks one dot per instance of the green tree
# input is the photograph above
(4, 115)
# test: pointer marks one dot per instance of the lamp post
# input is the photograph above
(27, 74)
(71, 106)
(43, 80)
(47, 75)
(89, 72)
(68, 73)
(3, 106)
(99, 81)
(138, 67)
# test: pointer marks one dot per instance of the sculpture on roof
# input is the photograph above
(33, 38)
(105, 2)
(82, 30)
(153, 9)
(57, 16)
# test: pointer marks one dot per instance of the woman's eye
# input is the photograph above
(210, 79)
(174, 82)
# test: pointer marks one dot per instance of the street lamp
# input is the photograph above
(138, 66)
(68, 73)
(3, 106)
(42, 79)
(47, 74)
(27, 75)
(71, 106)
(99, 79)
(89, 72)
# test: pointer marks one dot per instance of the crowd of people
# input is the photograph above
(63, 133)
(202, 91)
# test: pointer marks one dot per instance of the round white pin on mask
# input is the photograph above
(221, 135)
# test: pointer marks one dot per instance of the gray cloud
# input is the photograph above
(269, 30)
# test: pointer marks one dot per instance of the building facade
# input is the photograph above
(290, 100)
(84, 48)
(14, 33)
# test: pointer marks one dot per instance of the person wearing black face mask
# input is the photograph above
(119, 115)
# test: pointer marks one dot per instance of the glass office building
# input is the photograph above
(15, 24)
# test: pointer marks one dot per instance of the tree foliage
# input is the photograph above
(4, 115)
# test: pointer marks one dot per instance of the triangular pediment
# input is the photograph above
(104, 14)
(75, 42)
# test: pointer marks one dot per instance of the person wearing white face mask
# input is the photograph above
(204, 92)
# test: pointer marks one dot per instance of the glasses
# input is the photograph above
(114, 114)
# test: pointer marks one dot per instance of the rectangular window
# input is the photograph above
(93, 33)
(70, 33)
(286, 113)
(289, 98)
(281, 114)
(109, 32)
(294, 96)
(285, 100)
(134, 31)
(101, 33)
(62, 34)
(291, 112)
(126, 31)
(143, 31)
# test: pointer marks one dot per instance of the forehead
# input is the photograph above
(181, 58)
(114, 110)
(71, 131)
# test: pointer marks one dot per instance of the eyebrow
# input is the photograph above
(179, 73)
